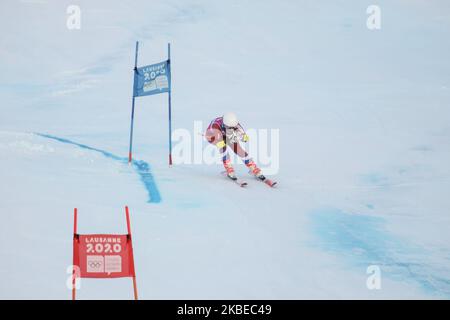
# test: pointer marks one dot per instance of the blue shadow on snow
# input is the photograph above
(362, 240)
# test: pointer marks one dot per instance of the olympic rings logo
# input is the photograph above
(95, 264)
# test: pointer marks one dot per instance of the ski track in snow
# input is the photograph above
(142, 168)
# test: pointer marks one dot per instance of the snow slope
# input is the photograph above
(364, 148)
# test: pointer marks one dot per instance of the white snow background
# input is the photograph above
(364, 125)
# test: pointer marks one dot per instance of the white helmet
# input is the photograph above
(230, 119)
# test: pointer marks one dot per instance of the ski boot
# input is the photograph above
(230, 170)
(254, 170)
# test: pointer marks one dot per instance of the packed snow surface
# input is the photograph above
(364, 148)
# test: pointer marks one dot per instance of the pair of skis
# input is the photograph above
(243, 183)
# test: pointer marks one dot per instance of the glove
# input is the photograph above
(245, 137)
(220, 144)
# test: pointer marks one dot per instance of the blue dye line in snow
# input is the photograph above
(363, 241)
(141, 167)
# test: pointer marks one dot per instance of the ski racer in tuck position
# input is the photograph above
(226, 132)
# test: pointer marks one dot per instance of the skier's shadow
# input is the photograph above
(141, 167)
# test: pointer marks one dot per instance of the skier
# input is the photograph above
(226, 132)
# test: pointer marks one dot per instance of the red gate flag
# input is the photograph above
(103, 255)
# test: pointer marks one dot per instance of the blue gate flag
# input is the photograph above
(152, 79)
